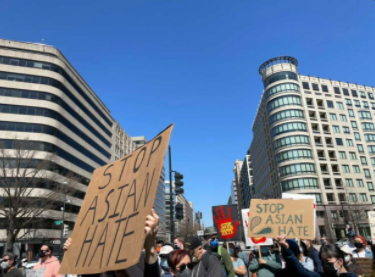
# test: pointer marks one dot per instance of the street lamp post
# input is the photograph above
(62, 224)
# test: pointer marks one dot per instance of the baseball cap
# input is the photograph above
(191, 243)
(346, 249)
(165, 250)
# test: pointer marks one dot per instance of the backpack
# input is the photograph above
(206, 259)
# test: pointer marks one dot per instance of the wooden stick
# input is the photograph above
(228, 246)
(260, 253)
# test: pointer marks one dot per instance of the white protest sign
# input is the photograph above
(371, 219)
(35, 272)
(253, 241)
(301, 196)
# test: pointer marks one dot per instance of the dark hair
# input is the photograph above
(50, 247)
(180, 239)
(331, 251)
(235, 251)
(11, 257)
(175, 257)
(304, 248)
(160, 242)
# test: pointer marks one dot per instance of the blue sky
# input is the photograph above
(195, 63)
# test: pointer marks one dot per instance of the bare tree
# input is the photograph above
(29, 187)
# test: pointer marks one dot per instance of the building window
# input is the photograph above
(305, 85)
(369, 137)
(352, 155)
(357, 103)
(373, 106)
(356, 169)
(348, 102)
(291, 140)
(360, 183)
(346, 130)
(372, 199)
(322, 230)
(285, 75)
(283, 115)
(339, 141)
(360, 148)
(343, 117)
(351, 113)
(367, 126)
(363, 94)
(349, 183)
(301, 183)
(315, 87)
(354, 125)
(342, 155)
(345, 91)
(336, 129)
(353, 197)
(373, 161)
(282, 88)
(345, 168)
(324, 88)
(354, 93)
(296, 169)
(365, 104)
(320, 214)
(371, 149)
(294, 155)
(333, 116)
(370, 95)
(370, 186)
(284, 101)
(363, 197)
(337, 90)
(329, 104)
(349, 142)
(363, 161)
(334, 215)
(288, 127)
(364, 115)
(340, 106)
(357, 137)
(367, 173)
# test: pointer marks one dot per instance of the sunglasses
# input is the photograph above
(183, 267)
(5, 260)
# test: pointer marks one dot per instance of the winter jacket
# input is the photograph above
(269, 269)
(51, 267)
(226, 261)
(368, 253)
(214, 268)
(313, 254)
(243, 257)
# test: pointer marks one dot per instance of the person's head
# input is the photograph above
(179, 242)
(307, 242)
(333, 260)
(348, 254)
(303, 248)
(238, 248)
(211, 237)
(9, 261)
(275, 248)
(159, 245)
(232, 250)
(324, 240)
(360, 242)
(179, 262)
(45, 251)
(163, 254)
(293, 245)
(194, 246)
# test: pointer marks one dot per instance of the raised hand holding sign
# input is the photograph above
(227, 225)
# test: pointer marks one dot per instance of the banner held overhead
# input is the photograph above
(226, 222)
(109, 230)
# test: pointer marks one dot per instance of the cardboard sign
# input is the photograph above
(253, 241)
(226, 222)
(109, 231)
(35, 272)
(371, 219)
(366, 264)
(275, 217)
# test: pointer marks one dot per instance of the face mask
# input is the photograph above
(358, 245)
(300, 249)
(185, 273)
(41, 254)
(347, 258)
(214, 244)
(264, 251)
(4, 265)
(231, 251)
(164, 264)
(330, 269)
(324, 241)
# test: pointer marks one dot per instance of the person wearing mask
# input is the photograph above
(179, 262)
(163, 255)
(50, 263)
(361, 250)
(349, 264)
(267, 265)
(306, 261)
(148, 266)
(313, 254)
(207, 263)
(324, 240)
(22, 266)
(179, 242)
(242, 256)
(159, 245)
(238, 263)
(212, 243)
(351, 236)
(9, 266)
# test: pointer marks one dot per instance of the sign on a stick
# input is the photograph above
(253, 240)
(109, 231)
(275, 217)
(226, 222)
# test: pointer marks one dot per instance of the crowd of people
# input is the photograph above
(195, 257)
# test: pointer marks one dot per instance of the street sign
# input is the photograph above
(58, 222)
(200, 233)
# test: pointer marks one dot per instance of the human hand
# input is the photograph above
(151, 229)
(261, 261)
(280, 240)
(67, 244)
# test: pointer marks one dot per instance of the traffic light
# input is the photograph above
(179, 211)
(178, 183)
(66, 230)
(341, 213)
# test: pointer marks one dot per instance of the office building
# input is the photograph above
(246, 182)
(316, 136)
